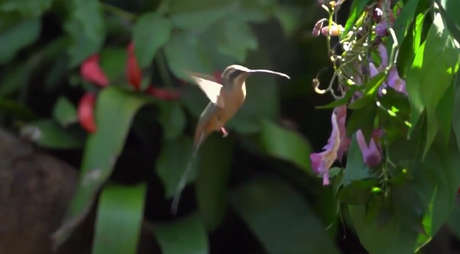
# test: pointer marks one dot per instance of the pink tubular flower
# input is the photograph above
(92, 72)
(336, 146)
(371, 152)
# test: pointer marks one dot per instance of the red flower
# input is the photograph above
(91, 72)
(133, 72)
(86, 112)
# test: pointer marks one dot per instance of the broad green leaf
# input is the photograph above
(17, 110)
(184, 6)
(444, 111)
(112, 61)
(284, 144)
(86, 29)
(370, 90)
(64, 112)
(18, 36)
(456, 109)
(211, 183)
(47, 133)
(185, 52)
(357, 179)
(119, 219)
(356, 10)
(27, 8)
(236, 39)
(150, 33)
(175, 156)
(114, 112)
(435, 63)
(200, 19)
(280, 218)
(342, 101)
(410, 44)
(57, 73)
(432, 197)
(448, 10)
(183, 236)
(362, 119)
(453, 223)
(172, 118)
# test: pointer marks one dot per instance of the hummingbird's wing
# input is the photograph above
(213, 90)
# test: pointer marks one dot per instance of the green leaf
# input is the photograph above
(362, 119)
(17, 110)
(198, 18)
(119, 219)
(370, 90)
(356, 10)
(428, 203)
(112, 61)
(114, 112)
(436, 62)
(27, 8)
(456, 109)
(185, 52)
(284, 144)
(449, 9)
(342, 101)
(411, 39)
(17, 36)
(86, 29)
(236, 39)
(183, 236)
(150, 33)
(444, 111)
(64, 112)
(172, 162)
(172, 118)
(47, 133)
(453, 223)
(280, 218)
(211, 183)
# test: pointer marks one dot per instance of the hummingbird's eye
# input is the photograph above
(234, 74)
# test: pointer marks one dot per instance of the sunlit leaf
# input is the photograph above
(370, 90)
(115, 110)
(49, 134)
(119, 219)
(211, 183)
(356, 9)
(279, 217)
(65, 112)
(436, 62)
(183, 236)
(150, 33)
(85, 26)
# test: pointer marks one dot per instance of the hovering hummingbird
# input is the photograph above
(225, 100)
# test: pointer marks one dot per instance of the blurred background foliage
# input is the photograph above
(251, 192)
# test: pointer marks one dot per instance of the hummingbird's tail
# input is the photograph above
(183, 180)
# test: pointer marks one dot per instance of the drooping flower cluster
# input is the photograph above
(92, 72)
(382, 17)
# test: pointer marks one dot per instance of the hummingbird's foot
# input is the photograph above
(224, 132)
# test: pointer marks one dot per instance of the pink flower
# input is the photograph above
(337, 144)
(371, 152)
(395, 82)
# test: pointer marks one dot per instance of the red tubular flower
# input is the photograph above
(163, 94)
(92, 72)
(86, 112)
(133, 71)
(218, 76)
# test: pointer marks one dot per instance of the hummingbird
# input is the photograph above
(225, 100)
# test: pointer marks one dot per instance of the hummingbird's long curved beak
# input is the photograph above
(269, 72)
